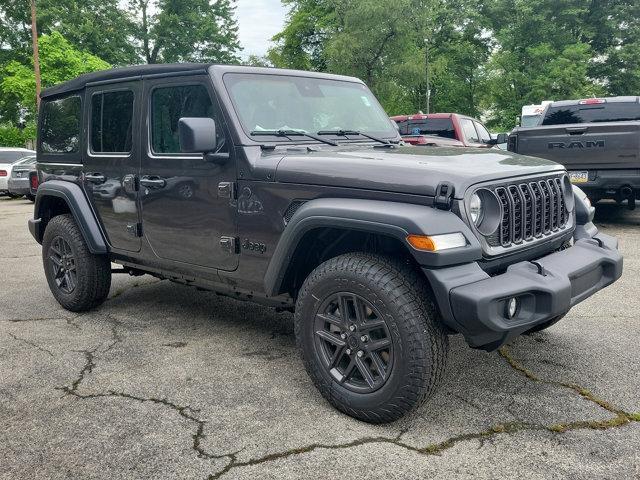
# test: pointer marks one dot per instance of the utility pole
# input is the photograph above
(36, 55)
(426, 71)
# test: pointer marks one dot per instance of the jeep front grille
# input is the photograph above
(530, 209)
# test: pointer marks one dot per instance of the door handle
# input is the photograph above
(153, 182)
(576, 130)
(95, 178)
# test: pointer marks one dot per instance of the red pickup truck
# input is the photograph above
(443, 130)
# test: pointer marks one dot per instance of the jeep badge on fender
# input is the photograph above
(292, 189)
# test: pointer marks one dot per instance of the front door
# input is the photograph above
(112, 161)
(183, 216)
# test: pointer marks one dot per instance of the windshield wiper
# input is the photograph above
(346, 133)
(293, 133)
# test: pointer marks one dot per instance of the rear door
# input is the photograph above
(112, 160)
(184, 216)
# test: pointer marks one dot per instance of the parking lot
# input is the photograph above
(164, 381)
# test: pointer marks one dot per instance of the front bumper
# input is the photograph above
(474, 303)
(19, 186)
(608, 183)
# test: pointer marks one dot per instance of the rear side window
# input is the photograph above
(440, 127)
(168, 105)
(111, 121)
(60, 127)
(602, 112)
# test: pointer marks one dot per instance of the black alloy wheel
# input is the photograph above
(78, 279)
(354, 342)
(63, 264)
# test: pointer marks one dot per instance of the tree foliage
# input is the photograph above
(169, 31)
(59, 61)
(486, 57)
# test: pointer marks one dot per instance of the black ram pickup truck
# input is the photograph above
(293, 189)
(596, 139)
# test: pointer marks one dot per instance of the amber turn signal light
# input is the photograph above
(434, 243)
(421, 242)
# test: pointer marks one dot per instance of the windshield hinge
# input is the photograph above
(444, 196)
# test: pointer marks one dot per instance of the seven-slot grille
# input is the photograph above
(530, 209)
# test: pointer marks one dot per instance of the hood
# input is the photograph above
(406, 169)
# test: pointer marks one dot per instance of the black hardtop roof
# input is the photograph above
(80, 82)
(137, 71)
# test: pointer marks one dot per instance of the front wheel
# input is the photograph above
(78, 279)
(370, 336)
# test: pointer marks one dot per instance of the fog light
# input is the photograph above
(512, 307)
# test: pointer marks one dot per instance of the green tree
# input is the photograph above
(59, 62)
(544, 51)
(386, 48)
(185, 30)
(100, 27)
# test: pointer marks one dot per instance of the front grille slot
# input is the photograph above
(530, 211)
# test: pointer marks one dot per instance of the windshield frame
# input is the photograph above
(249, 139)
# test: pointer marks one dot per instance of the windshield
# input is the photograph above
(529, 120)
(441, 127)
(602, 112)
(306, 104)
(12, 156)
(26, 161)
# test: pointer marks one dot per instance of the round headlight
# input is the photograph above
(476, 209)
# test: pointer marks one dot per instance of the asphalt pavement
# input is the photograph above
(164, 382)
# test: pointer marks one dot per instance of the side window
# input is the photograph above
(60, 127)
(111, 121)
(403, 126)
(484, 134)
(168, 105)
(469, 131)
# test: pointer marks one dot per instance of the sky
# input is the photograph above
(258, 21)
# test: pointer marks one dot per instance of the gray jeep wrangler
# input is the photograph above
(293, 189)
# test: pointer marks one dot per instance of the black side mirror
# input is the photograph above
(197, 135)
(502, 138)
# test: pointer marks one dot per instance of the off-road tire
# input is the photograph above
(545, 325)
(404, 301)
(93, 272)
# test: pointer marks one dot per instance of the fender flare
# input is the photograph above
(79, 206)
(392, 219)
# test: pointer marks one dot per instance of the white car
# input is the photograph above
(8, 158)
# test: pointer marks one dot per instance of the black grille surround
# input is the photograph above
(532, 209)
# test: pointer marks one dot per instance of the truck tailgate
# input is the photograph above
(613, 145)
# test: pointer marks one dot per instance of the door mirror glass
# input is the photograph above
(502, 138)
(197, 135)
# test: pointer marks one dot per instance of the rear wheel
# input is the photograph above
(369, 336)
(78, 279)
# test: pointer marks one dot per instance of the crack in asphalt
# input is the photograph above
(621, 418)
(185, 412)
(39, 319)
(190, 414)
(30, 343)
